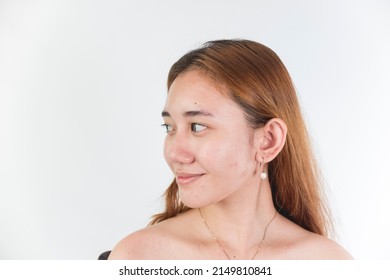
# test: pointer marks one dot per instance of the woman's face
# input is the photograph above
(208, 143)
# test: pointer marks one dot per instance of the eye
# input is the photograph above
(168, 128)
(195, 127)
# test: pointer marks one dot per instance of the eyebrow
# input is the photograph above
(189, 114)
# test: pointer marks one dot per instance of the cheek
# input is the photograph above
(227, 156)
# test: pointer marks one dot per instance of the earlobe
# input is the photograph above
(272, 140)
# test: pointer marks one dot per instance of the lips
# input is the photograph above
(187, 178)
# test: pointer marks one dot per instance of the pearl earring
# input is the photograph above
(263, 175)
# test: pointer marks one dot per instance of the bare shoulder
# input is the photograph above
(143, 244)
(319, 247)
(134, 246)
(155, 242)
(297, 243)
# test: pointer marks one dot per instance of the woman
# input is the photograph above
(246, 184)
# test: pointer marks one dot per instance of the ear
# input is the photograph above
(270, 140)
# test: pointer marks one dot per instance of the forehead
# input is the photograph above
(193, 90)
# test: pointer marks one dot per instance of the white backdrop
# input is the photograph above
(82, 86)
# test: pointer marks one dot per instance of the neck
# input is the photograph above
(239, 222)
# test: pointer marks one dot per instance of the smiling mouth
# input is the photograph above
(186, 179)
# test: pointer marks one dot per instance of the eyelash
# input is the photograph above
(193, 125)
(169, 128)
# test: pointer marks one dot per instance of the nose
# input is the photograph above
(177, 149)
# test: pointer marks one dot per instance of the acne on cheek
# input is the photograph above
(223, 154)
(226, 160)
(239, 160)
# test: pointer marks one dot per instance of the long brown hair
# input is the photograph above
(260, 84)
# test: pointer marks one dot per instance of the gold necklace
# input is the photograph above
(223, 249)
